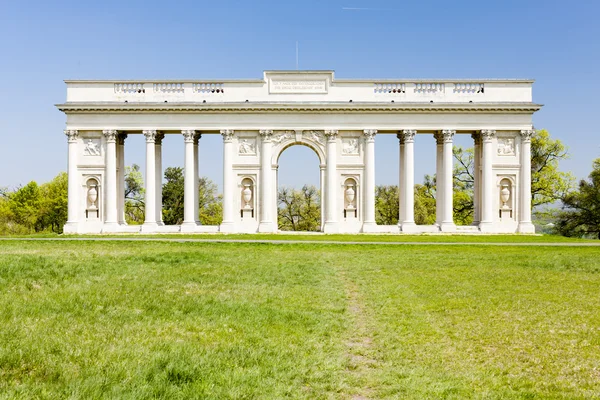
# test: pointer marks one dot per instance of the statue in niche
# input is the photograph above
(246, 147)
(350, 146)
(92, 148)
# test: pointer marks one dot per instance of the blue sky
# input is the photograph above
(42, 42)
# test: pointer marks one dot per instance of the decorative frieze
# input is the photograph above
(282, 136)
(91, 147)
(429, 87)
(316, 136)
(506, 146)
(129, 88)
(247, 146)
(350, 146)
(168, 87)
(390, 88)
(468, 87)
(208, 88)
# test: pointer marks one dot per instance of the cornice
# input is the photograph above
(225, 108)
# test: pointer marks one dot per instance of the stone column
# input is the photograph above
(228, 224)
(369, 224)
(110, 182)
(408, 223)
(159, 172)
(121, 178)
(74, 184)
(487, 182)
(525, 225)
(439, 177)
(266, 180)
(196, 180)
(150, 224)
(476, 178)
(331, 217)
(447, 172)
(189, 220)
(401, 171)
(322, 189)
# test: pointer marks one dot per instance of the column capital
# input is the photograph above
(227, 134)
(72, 135)
(526, 134)
(266, 134)
(447, 135)
(476, 138)
(159, 138)
(409, 135)
(188, 135)
(121, 139)
(369, 134)
(110, 135)
(150, 135)
(197, 137)
(331, 134)
(487, 134)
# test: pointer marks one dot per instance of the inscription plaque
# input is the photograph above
(298, 86)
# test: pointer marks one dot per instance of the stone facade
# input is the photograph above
(339, 119)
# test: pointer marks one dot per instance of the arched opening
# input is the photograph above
(299, 187)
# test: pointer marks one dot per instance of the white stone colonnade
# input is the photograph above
(338, 119)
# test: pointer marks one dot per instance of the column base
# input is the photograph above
(331, 227)
(188, 227)
(149, 227)
(160, 223)
(71, 228)
(447, 227)
(227, 227)
(408, 227)
(267, 227)
(486, 227)
(369, 227)
(110, 227)
(526, 227)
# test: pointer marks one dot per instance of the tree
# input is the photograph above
(210, 202)
(580, 214)
(387, 199)
(548, 184)
(53, 204)
(172, 196)
(299, 210)
(134, 195)
(25, 204)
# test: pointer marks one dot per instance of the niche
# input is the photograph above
(506, 200)
(92, 210)
(247, 198)
(350, 209)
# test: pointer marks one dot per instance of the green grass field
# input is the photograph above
(128, 320)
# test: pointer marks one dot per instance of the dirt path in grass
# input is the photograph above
(359, 344)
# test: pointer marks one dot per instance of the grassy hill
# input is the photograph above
(140, 319)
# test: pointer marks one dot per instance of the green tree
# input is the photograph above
(425, 202)
(210, 202)
(548, 184)
(172, 196)
(387, 199)
(24, 204)
(299, 210)
(134, 195)
(53, 204)
(580, 214)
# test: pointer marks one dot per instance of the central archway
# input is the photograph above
(299, 187)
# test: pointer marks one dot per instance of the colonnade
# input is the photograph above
(484, 191)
